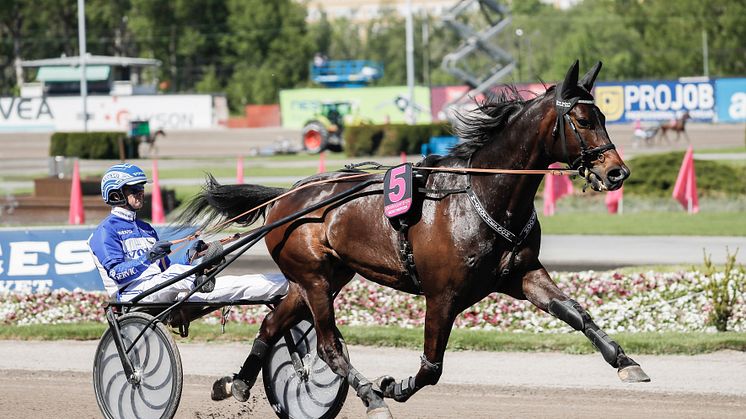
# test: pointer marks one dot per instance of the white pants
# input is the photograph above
(256, 287)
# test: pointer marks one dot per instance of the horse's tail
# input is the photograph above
(216, 203)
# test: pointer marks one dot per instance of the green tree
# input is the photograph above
(13, 15)
(725, 23)
(210, 82)
(270, 49)
(347, 42)
(599, 33)
(187, 35)
(107, 27)
(321, 34)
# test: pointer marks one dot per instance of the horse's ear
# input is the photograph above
(571, 79)
(590, 77)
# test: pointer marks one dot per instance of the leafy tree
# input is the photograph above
(107, 27)
(186, 35)
(347, 42)
(599, 34)
(270, 49)
(321, 34)
(725, 22)
(210, 82)
(254, 48)
(12, 19)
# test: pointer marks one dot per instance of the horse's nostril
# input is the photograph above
(617, 174)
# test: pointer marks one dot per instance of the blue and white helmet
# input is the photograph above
(116, 177)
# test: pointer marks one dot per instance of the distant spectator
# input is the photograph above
(319, 59)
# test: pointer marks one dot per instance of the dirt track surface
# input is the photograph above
(52, 379)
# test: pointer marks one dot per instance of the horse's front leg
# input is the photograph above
(688, 140)
(540, 290)
(439, 319)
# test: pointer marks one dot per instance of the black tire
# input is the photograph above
(155, 357)
(335, 146)
(314, 137)
(320, 395)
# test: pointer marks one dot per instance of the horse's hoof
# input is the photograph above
(380, 384)
(221, 389)
(633, 374)
(382, 412)
(240, 390)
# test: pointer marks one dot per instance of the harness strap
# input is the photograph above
(502, 231)
(442, 192)
(406, 254)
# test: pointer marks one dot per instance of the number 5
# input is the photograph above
(397, 182)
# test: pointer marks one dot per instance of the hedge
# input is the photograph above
(93, 145)
(655, 175)
(390, 139)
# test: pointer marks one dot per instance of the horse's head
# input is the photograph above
(579, 137)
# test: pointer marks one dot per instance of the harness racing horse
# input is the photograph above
(678, 126)
(466, 235)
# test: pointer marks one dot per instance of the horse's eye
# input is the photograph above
(584, 123)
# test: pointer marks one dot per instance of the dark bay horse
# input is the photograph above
(468, 235)
(678, 126)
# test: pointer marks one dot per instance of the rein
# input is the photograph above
(275, 199)
(373, 166)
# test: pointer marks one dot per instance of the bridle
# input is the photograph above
(587, 154)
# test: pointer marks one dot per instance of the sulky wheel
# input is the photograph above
(315, 392)
(156, 391)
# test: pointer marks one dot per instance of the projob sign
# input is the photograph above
(656, 100)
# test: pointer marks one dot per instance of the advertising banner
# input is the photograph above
(731, 100)
(375, 104)
(33, 260)
(656, 100)
(112, 113)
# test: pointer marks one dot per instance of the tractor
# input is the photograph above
(324, 131)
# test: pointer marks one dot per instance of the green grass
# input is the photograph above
(646, 224)
(721, 150)
(461, 339)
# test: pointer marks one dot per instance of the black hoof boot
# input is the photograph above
(221, 389)
(240, 389)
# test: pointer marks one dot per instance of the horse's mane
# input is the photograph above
(479, 126)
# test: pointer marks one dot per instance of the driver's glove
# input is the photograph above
(194, 250)
(160, 249)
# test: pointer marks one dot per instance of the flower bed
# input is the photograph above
(640, 302)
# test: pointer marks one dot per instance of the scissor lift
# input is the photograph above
(478, 44)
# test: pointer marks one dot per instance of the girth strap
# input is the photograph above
(406, 254)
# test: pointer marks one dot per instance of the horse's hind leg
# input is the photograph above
(319, 299)
(540, 290)
(291, 310)
(438, 323)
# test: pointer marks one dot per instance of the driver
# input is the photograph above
(131, 259)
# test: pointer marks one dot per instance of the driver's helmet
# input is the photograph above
(116, 178)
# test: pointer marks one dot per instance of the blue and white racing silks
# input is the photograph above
(119, 246)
